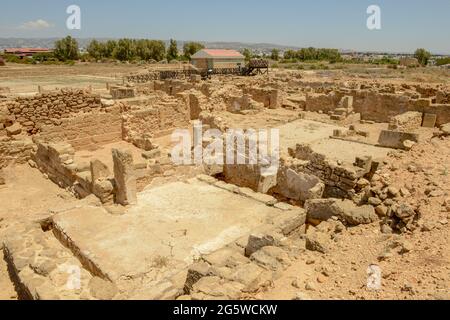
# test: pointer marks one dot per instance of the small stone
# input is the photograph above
(385, 229)
(374, 201)
(310, 286)
(406, 247)
(296, 283)
(301, 296)
(393, 192)
(381, 210)
(321, 278)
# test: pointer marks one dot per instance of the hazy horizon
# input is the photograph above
(405, 25)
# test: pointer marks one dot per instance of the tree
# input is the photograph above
(66, 49)
(275, 55)
(290, 54)
(247, 54)
(96, 49)
(191, 48)
(125, 50)
(422, 56)
(172, 52)
(109, 48)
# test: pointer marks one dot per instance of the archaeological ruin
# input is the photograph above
(132, 224)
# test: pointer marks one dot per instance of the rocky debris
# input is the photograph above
(346, 210)
(256, 242)
(318, 241)
(195, 273)
(215, 288)
(271, 258)
(290, 221)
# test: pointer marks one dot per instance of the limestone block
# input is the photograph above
(125, 177)
(396, 139)
(302, 186)
(14, 130)
(99, 170)
(429, 120)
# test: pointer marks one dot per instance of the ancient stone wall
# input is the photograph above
(152, 121)
(49, 108)
(15, 150)
(56, 160)
(87, 131)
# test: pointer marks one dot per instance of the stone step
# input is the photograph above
(43, 269)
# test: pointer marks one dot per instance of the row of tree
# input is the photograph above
(147, 50)
(126, 50)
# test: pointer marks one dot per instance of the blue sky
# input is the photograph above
(406, 24)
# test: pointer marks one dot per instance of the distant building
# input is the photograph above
(409, 62)
(26, 52)
(217, 59)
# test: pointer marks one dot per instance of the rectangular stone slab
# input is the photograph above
(178, 221)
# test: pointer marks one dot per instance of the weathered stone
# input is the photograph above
(152, 154)
(271, 258)
(256, 242)
(359, 215)
(302, 186)
(395, 139)
(14, 130)
(125, 178)
(445, 128)
(289, 221)
(99, 170)
(266, 182)
(195, 273)
(429, 120)
(214, 288)
(102, 289)
(318, 241)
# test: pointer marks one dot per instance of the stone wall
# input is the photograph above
(15, 150)
(56, 160)
(146, 122)
(408, 121)
(87, 131)
(49, 108)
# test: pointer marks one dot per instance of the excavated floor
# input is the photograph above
(163, 228)
(318, 134)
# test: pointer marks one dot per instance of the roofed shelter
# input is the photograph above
(218, 59)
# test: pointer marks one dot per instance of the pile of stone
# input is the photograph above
(396, 215)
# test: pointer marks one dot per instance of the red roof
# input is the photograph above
(222, 52)
(26, 50)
